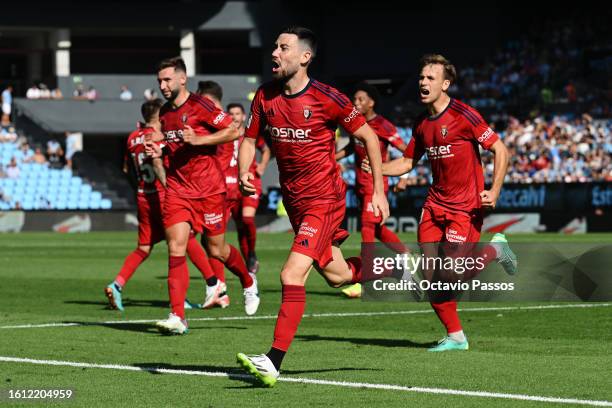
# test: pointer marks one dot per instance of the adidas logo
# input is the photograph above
(270, 112)
(304, 243)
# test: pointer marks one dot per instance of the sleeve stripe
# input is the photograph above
(466, 110)
(208, 105)
(464, 115)
(335, 97)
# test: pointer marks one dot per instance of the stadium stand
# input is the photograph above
(35, 186)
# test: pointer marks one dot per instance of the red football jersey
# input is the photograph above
(451, 142)
(148, 183)
(193, 171)
(302, 135)
(227, 154)
(387, 135)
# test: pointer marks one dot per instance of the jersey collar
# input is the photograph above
(439, 115)
(295, 95)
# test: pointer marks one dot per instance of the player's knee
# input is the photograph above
(216, 251)
(177, 247)
(292, 276)
(145, 248)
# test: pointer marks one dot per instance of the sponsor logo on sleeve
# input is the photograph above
(219, 118)
(354, 113)
(486, 135)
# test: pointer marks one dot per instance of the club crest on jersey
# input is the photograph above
(184, 118)
(307, 113)
(444, 131)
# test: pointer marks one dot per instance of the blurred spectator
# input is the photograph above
(92, 94)
(74, 143)
(8, 134)
(56, 94)
(55, 154)
(45, 93)
(126, 94)
(7, 104)
(150, 94)
(12, 170)
(26, 155)
(38, 156)
(33, 92)
(79, 92)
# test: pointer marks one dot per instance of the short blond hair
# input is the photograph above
(450, 73)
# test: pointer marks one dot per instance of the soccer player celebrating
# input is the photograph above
(302, 115)
(192, 126)
(150, 175)
(449, 132)
(366, 98)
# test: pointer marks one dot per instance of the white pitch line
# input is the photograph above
(315, 315)
(389, 387)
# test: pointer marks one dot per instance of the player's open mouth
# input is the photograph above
(424, 92)
(275, 66)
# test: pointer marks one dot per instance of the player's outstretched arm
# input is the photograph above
(366, 135)
(500, 167)
(395, 167)
(228, 134)
(246, 154)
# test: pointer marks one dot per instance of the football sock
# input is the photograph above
(251, 235)
(289, 317)
(243, 239)
(355, 264)
(236, 265)
(447, 313)
(276, 356)
(218, 268)
(131, 263)
(178, 282)
(198, 257)
(457, 336)
(368, 232)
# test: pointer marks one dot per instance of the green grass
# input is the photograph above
(59, 278)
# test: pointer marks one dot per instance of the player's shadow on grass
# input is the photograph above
(368, 342)
(232, 372)
(331, 292)
(150, 327)
(194, 277)
(126, 302)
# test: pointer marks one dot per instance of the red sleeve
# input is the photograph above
(256, 120)
(415, 148)
(216, 119)
(480, 130)
(389, 133)
(344, 112)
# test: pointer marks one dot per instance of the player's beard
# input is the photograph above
(173, 94)
(285, 75)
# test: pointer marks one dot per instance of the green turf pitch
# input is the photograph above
(56, 278)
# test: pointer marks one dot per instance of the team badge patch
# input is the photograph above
(307, 113)
(444, 131)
